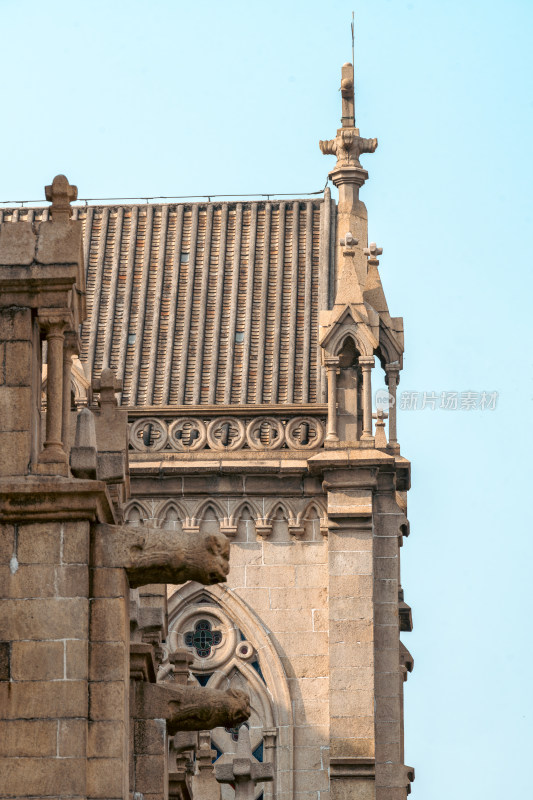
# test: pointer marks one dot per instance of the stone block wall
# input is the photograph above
(44, 686)
(286, 585)
(18, 395)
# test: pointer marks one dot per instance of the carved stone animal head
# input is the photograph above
(238, 707)
(195, 708)
(217, 546)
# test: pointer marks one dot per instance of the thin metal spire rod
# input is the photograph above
(207, 197)
(353, 40)
(353, 61)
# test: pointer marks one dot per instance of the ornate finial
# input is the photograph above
(60, 194)
(107, 385)
(348, 145)
(380, 438)
(372, 252)
(349, 241)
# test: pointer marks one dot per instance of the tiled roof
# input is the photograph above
(205, 303)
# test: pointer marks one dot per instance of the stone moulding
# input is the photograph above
(352, 767)
(150, 555)
(190, 708)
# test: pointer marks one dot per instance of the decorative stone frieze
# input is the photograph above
(226, 434)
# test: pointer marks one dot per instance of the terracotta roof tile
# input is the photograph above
(205, 303)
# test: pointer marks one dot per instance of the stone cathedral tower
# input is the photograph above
(249, 339)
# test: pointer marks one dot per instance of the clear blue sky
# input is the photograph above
(174, 98)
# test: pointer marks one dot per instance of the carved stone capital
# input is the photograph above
(54, 322)
(263, 527)
(228, 528)
(392, 374)
(150, 555)
(296, 528)
(190, 708)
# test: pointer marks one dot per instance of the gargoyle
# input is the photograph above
(150, 555)
(190, 708)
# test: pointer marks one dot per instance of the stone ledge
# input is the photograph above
(273, 466)
(142, 663)
(54, 498)
(352, 767)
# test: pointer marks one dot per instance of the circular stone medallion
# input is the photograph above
(265, 433)
(225, 433)
(148, 434)
(187, 433)
(304, 433)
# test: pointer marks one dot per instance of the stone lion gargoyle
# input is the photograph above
(151, 555)
(190, 708)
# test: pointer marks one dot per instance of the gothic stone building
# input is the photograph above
(248, 340)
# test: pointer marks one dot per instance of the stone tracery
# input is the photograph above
(244, 660)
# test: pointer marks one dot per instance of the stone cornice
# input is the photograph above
(352, 461)
(342, 457)
(54, 498)
(220, 410)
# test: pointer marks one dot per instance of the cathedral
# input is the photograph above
(219, 375)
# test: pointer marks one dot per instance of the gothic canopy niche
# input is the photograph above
(232, 649)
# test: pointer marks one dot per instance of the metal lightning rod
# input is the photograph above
(353, 38)
(353, 62)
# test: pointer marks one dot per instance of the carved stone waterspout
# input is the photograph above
(150, 555)
(190, 708)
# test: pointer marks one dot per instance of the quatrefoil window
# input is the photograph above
(203, 638)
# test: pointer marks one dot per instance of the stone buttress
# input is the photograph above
(67, 567)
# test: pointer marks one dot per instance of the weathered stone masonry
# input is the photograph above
(66, 567)
(245, 343)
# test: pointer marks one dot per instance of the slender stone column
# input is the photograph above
(332, 364)
(69, 349)
(366, 363)
(392, 380)
(55, 338)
